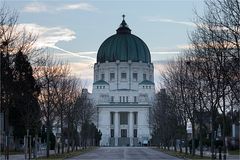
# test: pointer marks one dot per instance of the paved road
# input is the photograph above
(124, 153)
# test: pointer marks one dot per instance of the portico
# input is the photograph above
(123, 127)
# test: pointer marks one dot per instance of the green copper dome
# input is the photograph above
(123, 46)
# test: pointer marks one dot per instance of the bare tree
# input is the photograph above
(175, 82)
(50, 73)
(70, 113)
(84, 111)
(216, 45)
(207, 78)
(61, 89)
(165, 120)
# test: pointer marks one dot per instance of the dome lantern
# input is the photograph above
(123, 28)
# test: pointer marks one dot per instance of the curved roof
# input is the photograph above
(123, 46)
(146, 82)
(101, 82)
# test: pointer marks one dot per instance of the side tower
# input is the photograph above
(123, 89)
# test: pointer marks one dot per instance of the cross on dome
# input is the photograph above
(123, 16)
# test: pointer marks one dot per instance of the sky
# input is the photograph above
(73, 30)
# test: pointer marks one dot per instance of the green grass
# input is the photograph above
(183, 155)
(67, 155)
(234, 152)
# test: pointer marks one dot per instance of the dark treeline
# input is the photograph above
(39, 95)
(203, 86)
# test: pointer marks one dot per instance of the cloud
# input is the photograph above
(162, 62)
(164, 52)
(48, 36)
(158, 19)
(78, 6)
(184, 46)
(84, 71)
(164, 57)
(35, 7)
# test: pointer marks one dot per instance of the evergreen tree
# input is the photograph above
(25, 115)
(6, 91)
(6, 82)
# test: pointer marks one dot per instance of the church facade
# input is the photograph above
(123, 89)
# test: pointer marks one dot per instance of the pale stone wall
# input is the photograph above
(142, 121)
(123, 88)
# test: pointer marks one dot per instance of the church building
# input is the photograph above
(123, 89)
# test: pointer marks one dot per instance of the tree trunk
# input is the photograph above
(68, 137)
(193, 123)
(180, 145)
(212, 135)
(72, 140)
(36, 145)
(193, 138)
(201, 139)
(73, 145)
(62, 136)
(200, 125)
(212, 122)
(224, 135)
(186, 139)
(7, 133)
(48, 137)
(48, 116)
(174, 143)
(224, 127)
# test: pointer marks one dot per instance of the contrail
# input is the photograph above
(72, 53)
(92, 52)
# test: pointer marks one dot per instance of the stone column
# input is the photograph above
(131, 128)
(116, 127)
